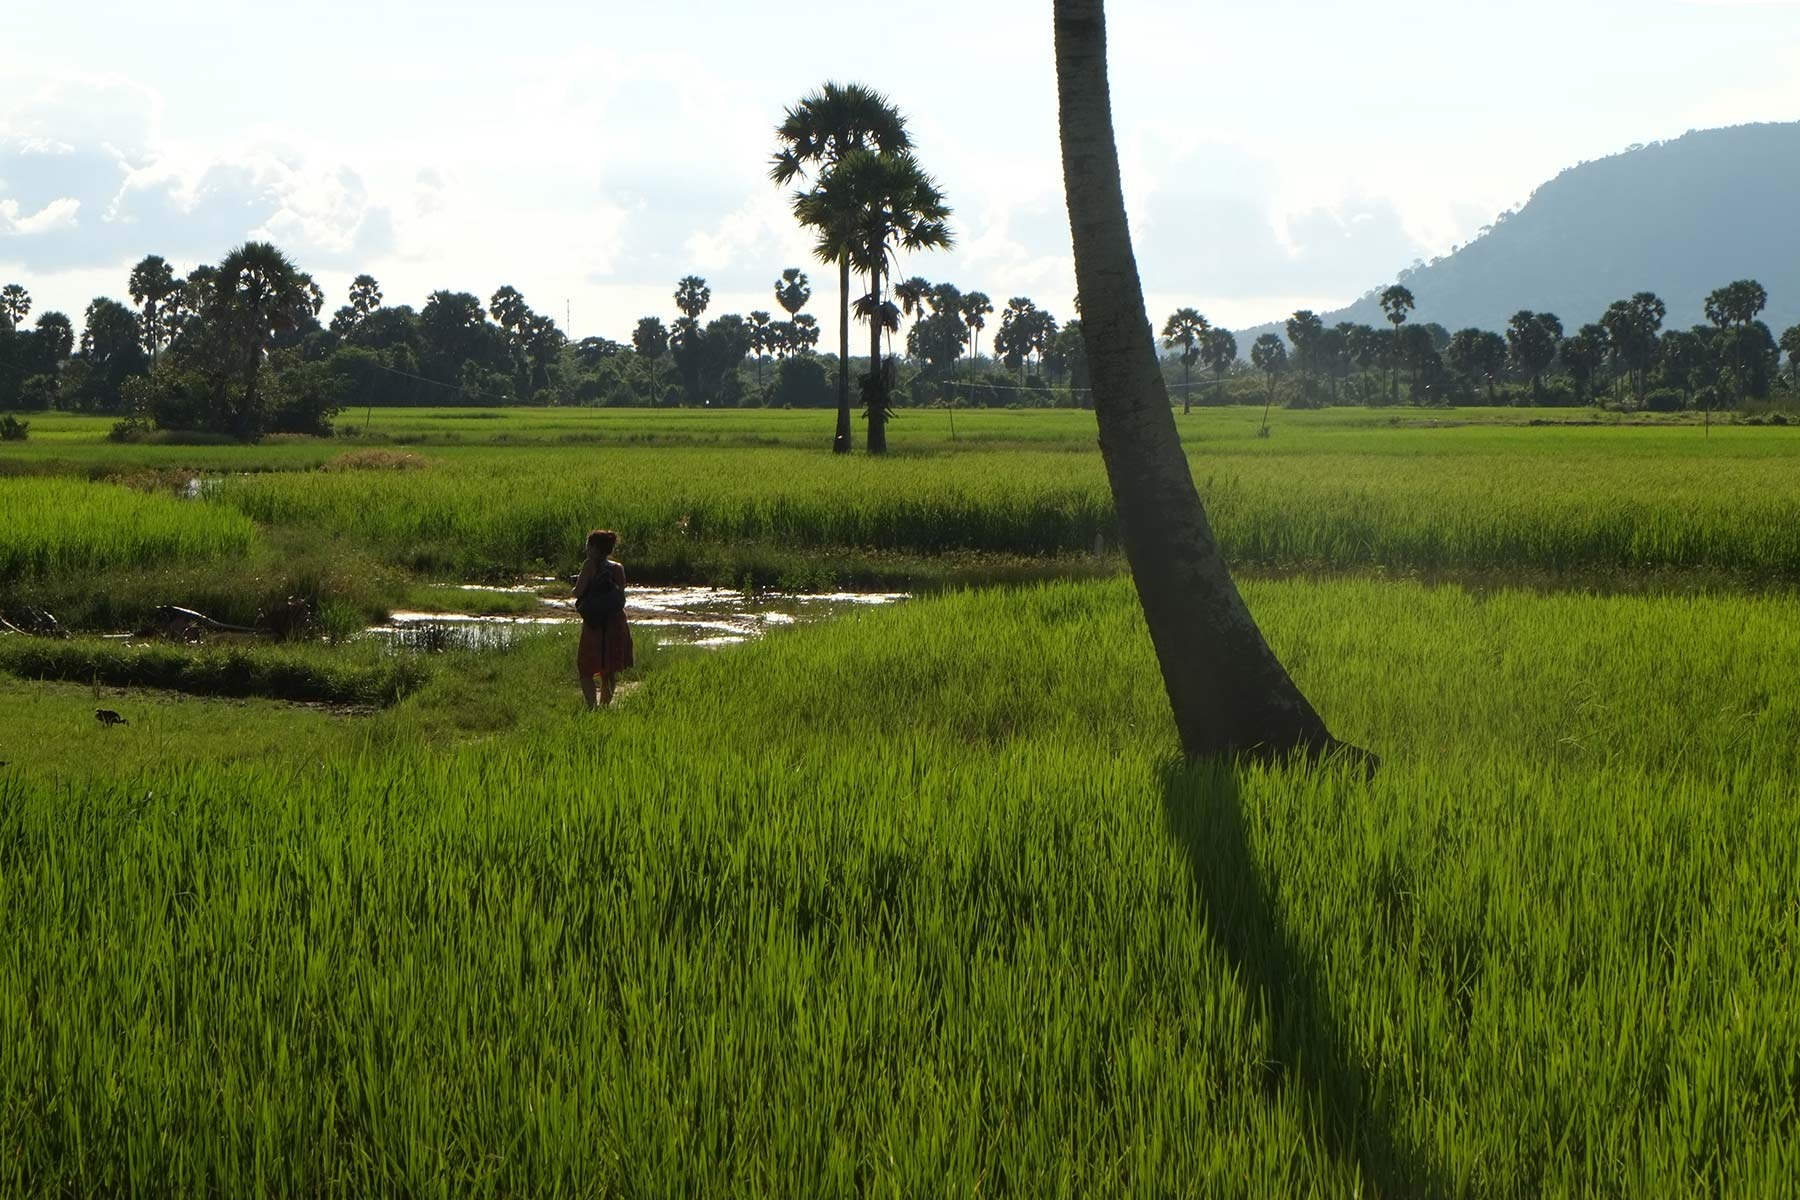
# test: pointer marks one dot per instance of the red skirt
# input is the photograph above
(605, 648)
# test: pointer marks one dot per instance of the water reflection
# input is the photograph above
(707, 617)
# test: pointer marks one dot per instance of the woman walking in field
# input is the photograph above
(605, 637)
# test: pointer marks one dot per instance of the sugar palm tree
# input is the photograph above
(651, 341)
(1396, 302)
(813, 137)
(792, 291)
(976, 309)
(1228, 692)
(911, 294)
(1185, 328)
(15, 305)
(1220, 351)
(365, 296)
(762, 340)
(259, 295)
(866, 210)
(152, 282)
(1268, 355)
(692, 296)
(804, 335)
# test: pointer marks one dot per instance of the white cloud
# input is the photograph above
(761, 224)
(58, 214)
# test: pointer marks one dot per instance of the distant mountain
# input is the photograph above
(1677, 218)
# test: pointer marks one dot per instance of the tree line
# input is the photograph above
(1626, 359)
(178, 356)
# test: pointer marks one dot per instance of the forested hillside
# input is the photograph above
(1676, 218)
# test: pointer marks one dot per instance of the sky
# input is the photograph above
(1276, 155)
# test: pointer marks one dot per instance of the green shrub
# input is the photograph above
(803, 382)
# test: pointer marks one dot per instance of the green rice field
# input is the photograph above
(1331, 491)
(65, 526)
(918, 900)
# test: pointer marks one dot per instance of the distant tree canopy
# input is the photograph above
(1625, 358)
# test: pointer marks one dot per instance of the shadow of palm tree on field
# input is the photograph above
(1309, 1048)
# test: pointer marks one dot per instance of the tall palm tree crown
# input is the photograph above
(15, 305)
(818, 132)
(692, 296)
(792, 291)
(263, 294)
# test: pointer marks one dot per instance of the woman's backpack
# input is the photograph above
(603, 598)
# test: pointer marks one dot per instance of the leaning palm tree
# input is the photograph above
(259, 295)
(866, 210)
(814, 136)
(1185, 328)
(1228, 692)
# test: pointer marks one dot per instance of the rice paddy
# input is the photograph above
(919, 900)
(1330, 490)
(62, 526)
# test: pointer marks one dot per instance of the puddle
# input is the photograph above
(707, 617)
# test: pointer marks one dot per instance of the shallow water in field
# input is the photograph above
(708, 617)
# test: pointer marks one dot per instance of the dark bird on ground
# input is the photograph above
(107, 716)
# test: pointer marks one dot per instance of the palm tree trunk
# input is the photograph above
(1229, 693)
(841, 443)
(877, 394)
